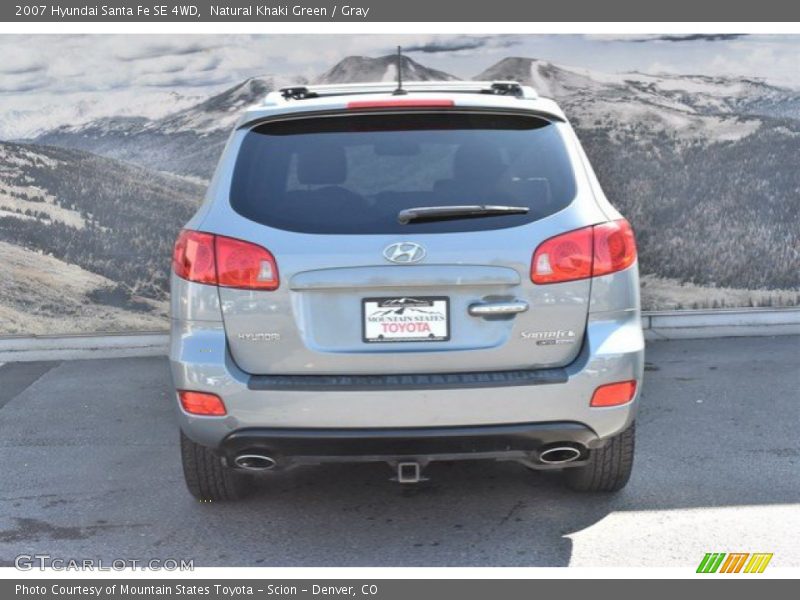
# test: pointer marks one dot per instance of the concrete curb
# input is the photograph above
(71, 347)
(696, 324)
(672, 325)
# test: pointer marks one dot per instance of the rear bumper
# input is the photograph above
(524, 441)
(613, 351)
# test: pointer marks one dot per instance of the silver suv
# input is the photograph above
(405, 276)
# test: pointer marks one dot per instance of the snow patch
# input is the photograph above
(32, 203)
(390, 74)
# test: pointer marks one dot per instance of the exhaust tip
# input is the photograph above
(254, 462)
(558, 455)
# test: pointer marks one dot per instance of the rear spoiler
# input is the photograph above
(328, 112)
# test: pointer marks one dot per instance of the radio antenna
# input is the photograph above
(399, 91)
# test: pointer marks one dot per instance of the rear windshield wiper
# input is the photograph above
(468, 211)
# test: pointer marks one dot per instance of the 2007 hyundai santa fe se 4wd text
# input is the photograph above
(405, 278)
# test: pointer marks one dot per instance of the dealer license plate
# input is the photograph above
(406, 319)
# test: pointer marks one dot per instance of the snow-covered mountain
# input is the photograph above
(694, 104)
(186, 141)
(360, 69)
(691, 93)
(78, 109)
(219, 112)
(188, 138)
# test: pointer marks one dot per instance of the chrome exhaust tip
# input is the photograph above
(559, 455)
(254, 462)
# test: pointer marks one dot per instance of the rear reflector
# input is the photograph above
(402, 103)
(614, 394)
(202, 403)
(228, 262)
(588, 252)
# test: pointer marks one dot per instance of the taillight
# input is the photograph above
(582, 253)
(566, 257)
(614, 394)
(228, 262)
(614, 247)
(202, 403)
(193, 257)
(245, 265)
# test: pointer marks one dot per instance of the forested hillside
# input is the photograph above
(107, 217)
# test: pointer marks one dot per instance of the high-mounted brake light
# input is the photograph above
(227, 262)
(614, 394)
(402, 103)
(588, 252)
(202, 403)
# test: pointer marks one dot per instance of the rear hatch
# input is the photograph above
(403, 243)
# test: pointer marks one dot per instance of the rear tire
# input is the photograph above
(207, 478)
(609, 467)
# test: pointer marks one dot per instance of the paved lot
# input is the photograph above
(90, 469)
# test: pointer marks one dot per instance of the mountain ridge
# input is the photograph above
(188, 141)
(363, 69)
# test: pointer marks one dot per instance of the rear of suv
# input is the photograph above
(405, 278)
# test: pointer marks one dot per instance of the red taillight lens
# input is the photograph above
(614, 247)
(245, 265)
(202, 403)
(402, 103)
(588, 252)
(193, 257)
(219, 260)
(566, 257)
(614, 394)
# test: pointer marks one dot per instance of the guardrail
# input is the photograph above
(665, 325)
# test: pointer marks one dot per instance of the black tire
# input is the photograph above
(207, 478)
(609, 467)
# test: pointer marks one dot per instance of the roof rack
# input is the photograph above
(496, 88)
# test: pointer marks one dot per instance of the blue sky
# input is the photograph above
(38, 70)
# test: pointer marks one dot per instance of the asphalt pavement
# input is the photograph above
(90, 469)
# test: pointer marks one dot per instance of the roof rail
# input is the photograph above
(496, 88)
(297, 92)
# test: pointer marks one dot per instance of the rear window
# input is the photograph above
(353, 174)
